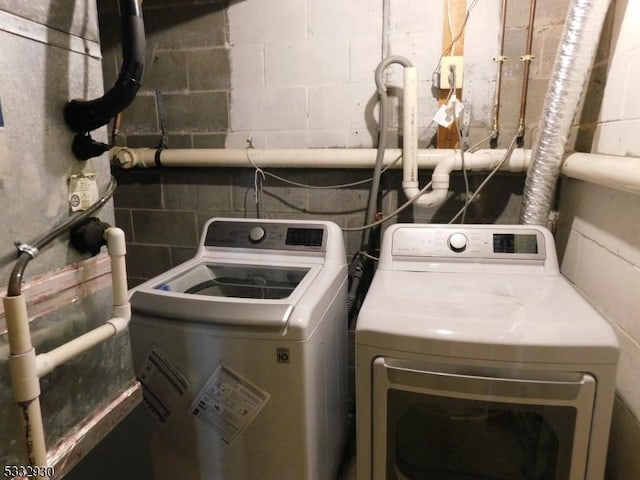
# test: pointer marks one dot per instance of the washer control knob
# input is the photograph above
(458, 242)
(256, 234)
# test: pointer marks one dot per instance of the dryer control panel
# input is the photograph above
(469, 242)
(254, 234)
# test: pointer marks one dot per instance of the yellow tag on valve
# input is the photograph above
(83, 191)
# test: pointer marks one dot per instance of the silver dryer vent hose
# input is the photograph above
(578, 44)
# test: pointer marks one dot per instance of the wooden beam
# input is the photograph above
(455, 12)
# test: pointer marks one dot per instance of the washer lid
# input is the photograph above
(234, 294)
(524, 318)
(227, 280)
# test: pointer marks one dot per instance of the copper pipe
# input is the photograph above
(500, 59)
(115, 129)
(525, 75)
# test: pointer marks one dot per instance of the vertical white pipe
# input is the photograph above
(17, 324)
(117, 249)
(31, 421)
(410, 128)
(24, 379)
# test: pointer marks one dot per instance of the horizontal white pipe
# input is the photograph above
(617, 172)
(116, 247)
(482, 160)
(126, 157)
(46, 362)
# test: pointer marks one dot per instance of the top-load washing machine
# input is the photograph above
(476, 359)
(241, 353)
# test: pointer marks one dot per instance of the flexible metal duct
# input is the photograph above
(577, 48)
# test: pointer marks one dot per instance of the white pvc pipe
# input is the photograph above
(621, 173)
(116, 247)
(26, 368)
(410, 129)
(126, 157)
(617, 172)
(24, 380)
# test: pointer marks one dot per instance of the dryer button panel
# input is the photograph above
(485, 243)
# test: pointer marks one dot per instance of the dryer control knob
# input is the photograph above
(256, 234)
(458, 242)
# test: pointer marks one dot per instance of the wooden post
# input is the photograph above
(455, 12)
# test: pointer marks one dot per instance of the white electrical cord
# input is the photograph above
(464, 173)
(506, 157)
(457, 37)
(391, 215)
(316, 187)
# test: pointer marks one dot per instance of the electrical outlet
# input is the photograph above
(446, 64)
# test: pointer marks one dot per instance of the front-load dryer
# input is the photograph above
(476, 359)
(241, 353)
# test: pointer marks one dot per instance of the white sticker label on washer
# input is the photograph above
(228, 403)
(163, 385)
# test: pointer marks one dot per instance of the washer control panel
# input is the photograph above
(266, 235)
(469, 242)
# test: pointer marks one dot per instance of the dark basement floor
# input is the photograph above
(347, 469)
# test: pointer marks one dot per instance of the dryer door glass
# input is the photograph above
(448, 438)
(239, 281)
(452, 423)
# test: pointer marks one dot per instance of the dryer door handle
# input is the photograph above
(409, 375)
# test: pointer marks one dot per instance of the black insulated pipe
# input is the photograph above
(87, 115)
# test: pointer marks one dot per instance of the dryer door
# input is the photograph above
(442, 425)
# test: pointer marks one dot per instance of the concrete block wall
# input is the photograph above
(232, 76)
(599, 230)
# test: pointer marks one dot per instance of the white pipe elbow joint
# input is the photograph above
(410, 188)
(440, 182)
(116, 245)
(123, 157)
(120, 324)
(431, 199)
(121, 312)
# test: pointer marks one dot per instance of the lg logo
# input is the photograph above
(282, 355)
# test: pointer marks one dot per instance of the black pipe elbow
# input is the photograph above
(87, 115)
(88, 236)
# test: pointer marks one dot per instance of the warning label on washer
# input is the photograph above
(228, 403)
(163, 385)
